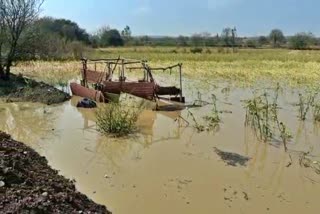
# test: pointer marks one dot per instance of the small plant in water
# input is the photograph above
(213, 119)
(305, 103)
(200, 102)
(116, 119)
(260, 115)
(197, 125)
(284, 134)
(316, 112)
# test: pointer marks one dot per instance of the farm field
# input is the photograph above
(248, 142)
(245, 66)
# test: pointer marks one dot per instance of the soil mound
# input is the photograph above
(21, 89)
(29, 185)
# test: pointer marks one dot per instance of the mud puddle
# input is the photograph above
(170, 167)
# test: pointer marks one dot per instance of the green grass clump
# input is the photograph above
(116, 119)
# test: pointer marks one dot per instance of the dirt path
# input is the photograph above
(29, 185)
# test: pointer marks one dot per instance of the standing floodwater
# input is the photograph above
(170, 166)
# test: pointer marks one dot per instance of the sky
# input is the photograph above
(186, 17)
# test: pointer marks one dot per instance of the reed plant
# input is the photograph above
(316, 112)
(213, 118)
(306, 103)
(262, 117)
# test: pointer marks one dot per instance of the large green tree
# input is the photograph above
(50, 38)
(182, 41)
(229, 36)
(263, 40)
(226, 36)
(65, 29)
(109, 37)
(276, 37)
(126, 34)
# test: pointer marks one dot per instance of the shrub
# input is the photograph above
(173, 51)
(220, 49)
(116, 119)
(208, 51)
(301, 41)
(251, 43)
(196, 50)
(76, 48)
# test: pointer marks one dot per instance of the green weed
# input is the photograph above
(116, 119)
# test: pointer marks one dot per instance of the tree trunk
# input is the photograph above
(7, 70)
(1, 62)
(1, 72)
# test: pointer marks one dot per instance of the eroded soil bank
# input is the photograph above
(21, 89)
(29, 185)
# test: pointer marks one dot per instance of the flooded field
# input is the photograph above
(172, 166)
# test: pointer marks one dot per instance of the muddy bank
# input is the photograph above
(29, 185)
(21, 89)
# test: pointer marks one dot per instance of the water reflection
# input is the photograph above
(28, 122)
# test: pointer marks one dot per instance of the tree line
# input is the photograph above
(229, 38)
(23, 36)
(60, 35)
(68, 33)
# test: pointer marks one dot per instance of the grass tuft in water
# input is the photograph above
(117, 120)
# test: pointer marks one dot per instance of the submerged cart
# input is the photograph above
(111, 81)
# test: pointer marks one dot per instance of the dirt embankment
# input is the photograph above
(29, 185)
(21, 89)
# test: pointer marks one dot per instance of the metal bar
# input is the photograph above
(122, 70)
(115, 65)
(165, 68)
(84, 78)
(102, 60)
(128, 63)
(135, 68)
(155, 68)
(109, 74)
(113, 59)
(180, 74)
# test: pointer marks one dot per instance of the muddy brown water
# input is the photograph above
(168, 167)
